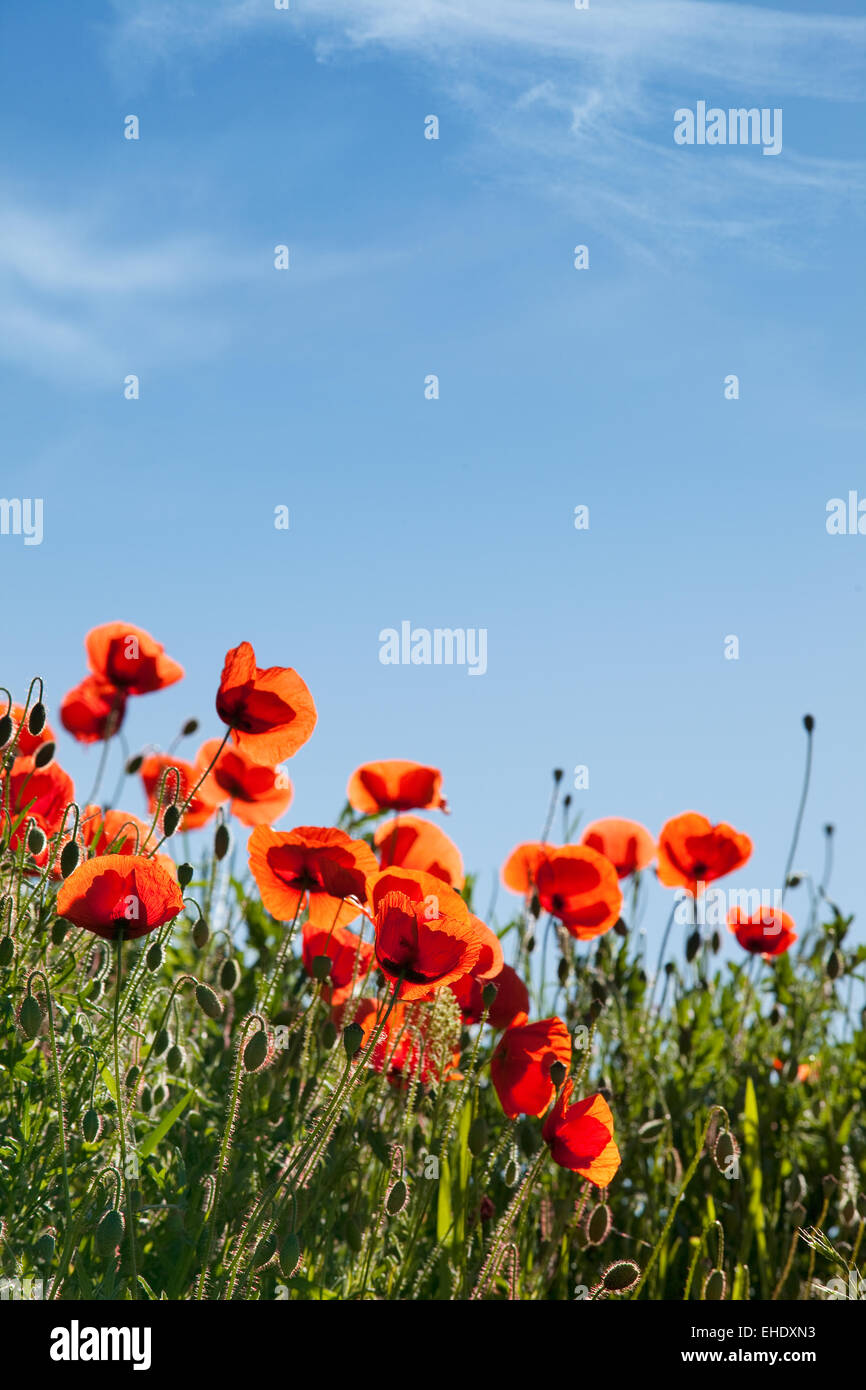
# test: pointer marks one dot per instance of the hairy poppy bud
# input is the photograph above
(109, 1232)
(58, 931)
(208, 1002)
(353, 1036)
(651, 1130)
(201, 933)
(328, 1034)
(230, 975)
(132, 1078)
(558, 1073)
(478, 1135)
(512, 1172)
(397, 1198)
(175, 1058)
(159, 1093)
(69, 857)
(189, 728)
(6, 730)
(134, 764)
(185, 874)
(145, 1100)
(354, 1236)
(160, 1042)
(716, 942)
(256, 1051)
(91, 1125)
(221, 842)
(321, 967)
(808, 723)
(36, 720)
(620, 927)
(44, 1248)
(835, 966)
(290, 1255)
(563, 970)
(488, 994)
(598, 1224)
(620, 1276)
(715, 1285)
(693, 945)
(155, 956)
(30, 1016)
(557, 775)
(725, 1151)
(7, 951)
(36, 840)
(170, 821)
(265, 1250)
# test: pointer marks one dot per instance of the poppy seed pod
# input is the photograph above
(208, 1002)
(36, 721)
(44, 754)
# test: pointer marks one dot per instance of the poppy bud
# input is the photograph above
(353, 1036)
(620, 927)
(201, 933)
(36, 721)
(189, 728)
(58, 931)
(775, 1015)
(109, 1232)
(159, 1093)
(7, 951)
(328, 1034)
(44, 755)
(835, 966)
(512, 1173)
(321, 967)
(808, 723)
(716, 942)
(208, 1002)
(535, 906)
(557, 1073)
(185, 874)
(145, 1100)
(620, 1276)
(155, 956)
(69, 857)
(488, 994)
(693, 945)
(175, 1058)
(478, 1135)
(230, 975)
(354, 1237)
(134, 764)
(725, 1151)
(91, 1125)
(651, 1130)
(36, 840)
(715, 1285)
(290, 1255)
(557, 775)
(598, 1224)
(794, 881)
(265, 1250)
(170, 821)
(256, 1051)
(594, 1010)
(397, 1198)
(30, 1016)
(563, 970)
(221, 842)
(132, 1078)
(6, 730)
(44, 1248)
(160, 1042)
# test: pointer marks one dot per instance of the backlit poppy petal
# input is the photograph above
(395, 785)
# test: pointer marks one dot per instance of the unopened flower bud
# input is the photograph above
(44, 754)
(221, 842)
(69, 857)
(208, 1002)
(185, 873)
(558, 1073)
(170, 821)
(353, 1036)
(321, 967)
(36, 719)
(488, 994)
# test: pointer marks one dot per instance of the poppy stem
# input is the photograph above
(110, 730)
(660, 961)
(799, 821)
(191, 795)
(121, 1118)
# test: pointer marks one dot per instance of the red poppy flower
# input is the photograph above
(115, 892)
(410, 1053)
(580, 1137)
(626, 843)
(349, 956)
(580, 887)
(512, 998)
(424, 943)
(520, 1066)
(130, 659)
(259, 795)
(521, 867)
(202, 806)
(692, 851)
(395, 786)
(767, 932)
(322, 864)
(93, 710)
(433, 893)
(115, 832)
(805, 1072)
(269, 710)
(43, 792)
(27, 742)
(413, 843)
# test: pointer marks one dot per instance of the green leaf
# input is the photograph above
(157, 1135)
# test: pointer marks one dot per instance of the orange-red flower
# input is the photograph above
(395, 785)
(259, 795)
(423, 944)
(27, 742)
(626, 843)
(580, 1137)
(404, 1045)
(512, 998)
(269, 710)
(349, 956)
(93, 710)
(520, 1066)
(521, 867)
(322, 864)
(120, 892)
(580, 887)
(413, 843)
(692, 851)
(767, 932)
(179, 782)
(435, 895)
(115, 832)
(130, 659)
(43, 792)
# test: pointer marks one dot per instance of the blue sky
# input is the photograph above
(557, 388)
